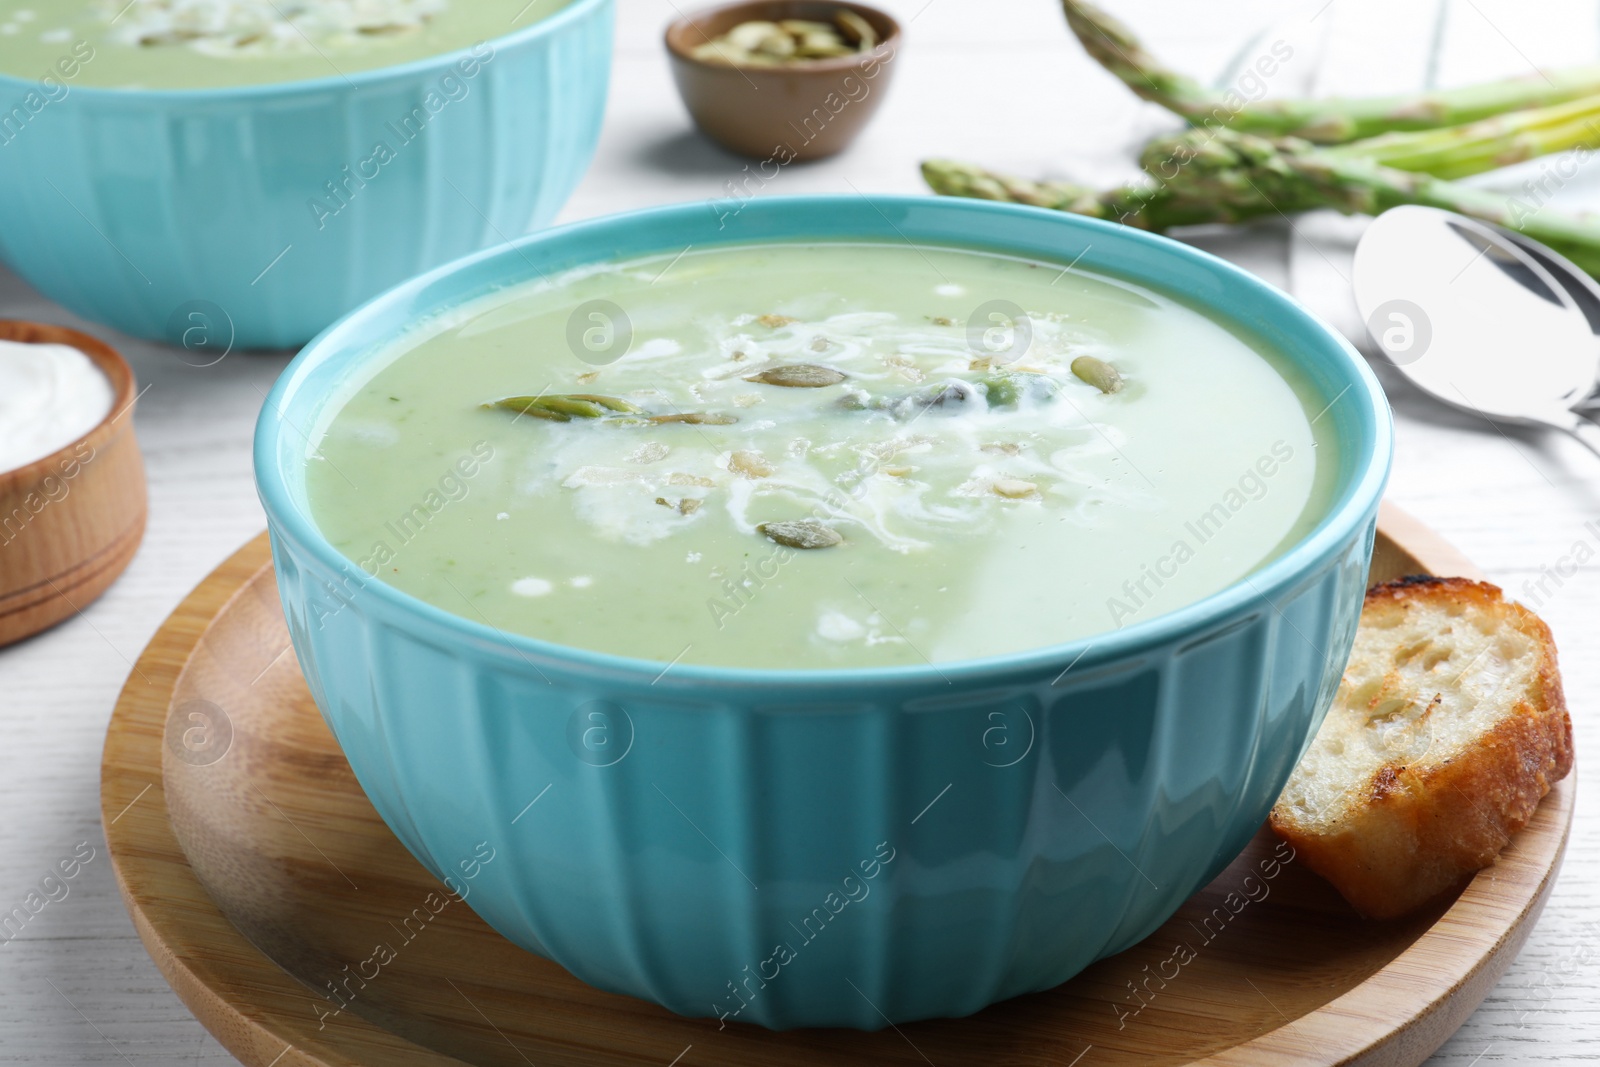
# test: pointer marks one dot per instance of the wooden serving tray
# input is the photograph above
(257, 874)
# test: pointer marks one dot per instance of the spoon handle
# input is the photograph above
(1587, 433)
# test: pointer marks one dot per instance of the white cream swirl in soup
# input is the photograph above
(819, 455)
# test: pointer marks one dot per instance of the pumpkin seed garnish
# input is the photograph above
(612, 402)
(687, 506)
(751, 35)
(801, 27)
(798, 376)
(789, 42)
(822, 46)
(1015, 488)
(696, 418)
(528, 405)
(773, 322)
(1098, 373)
(651, 452)
(859, 400)
(562, 407)
(775, 43)
(999, 390)
(749, 465)
(801, 533)
(1007, 389)
(857, 30)
(952, 392)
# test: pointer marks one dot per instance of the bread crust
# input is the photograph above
(1418, 830)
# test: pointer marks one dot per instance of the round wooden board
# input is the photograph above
(264, 884)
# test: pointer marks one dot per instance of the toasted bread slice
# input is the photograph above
(1448, 727)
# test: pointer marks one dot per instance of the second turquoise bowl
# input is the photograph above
(830, 848)
(253, 217)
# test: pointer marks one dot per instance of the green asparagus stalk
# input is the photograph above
(1452, 152)
(1200, 201)
(1148, 207)
(1239, 173)
(1330, 121)
(1228, 176)
(1288, 175)
(1192, 183)
(1460, 151)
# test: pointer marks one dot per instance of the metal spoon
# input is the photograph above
(1574, 279)
(1583, 289)
(1474, 319)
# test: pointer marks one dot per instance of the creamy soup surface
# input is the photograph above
(819, 456)
(201, 44)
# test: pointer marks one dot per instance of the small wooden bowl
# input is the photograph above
(70, 522)
(781, 114)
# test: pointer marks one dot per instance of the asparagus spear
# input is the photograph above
(1206, 194)
(1451, 152)
(1331, 121)
(1230, 176)
(1288, 175)
(1459, 151)
(1146, 207)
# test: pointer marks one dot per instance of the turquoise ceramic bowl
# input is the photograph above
(258, 215)
(830, 848)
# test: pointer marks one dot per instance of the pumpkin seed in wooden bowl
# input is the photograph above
(764, 44)
(783, 80)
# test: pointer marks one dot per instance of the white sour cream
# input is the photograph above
(50, 395)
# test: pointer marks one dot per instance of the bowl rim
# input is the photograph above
(108, 361)
(1355, 507)
(360, 79)
(883, 51)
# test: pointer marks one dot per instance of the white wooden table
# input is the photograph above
(996, 81)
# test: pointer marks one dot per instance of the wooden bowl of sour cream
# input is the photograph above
(70, 520)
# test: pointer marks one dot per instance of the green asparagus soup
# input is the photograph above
(818, 456)
(200, 44)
